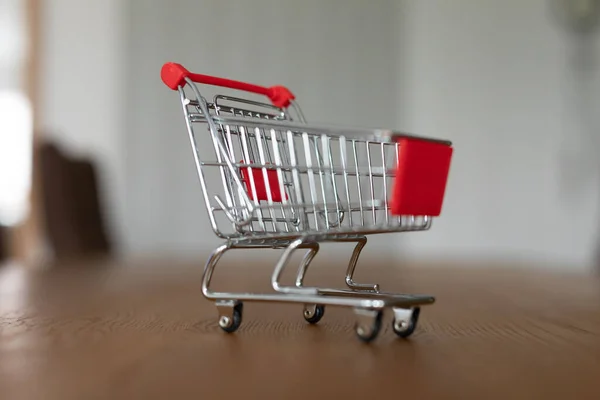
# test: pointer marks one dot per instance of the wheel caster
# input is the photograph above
(368, 324)
(405, 321)
(230, 317)
(313, 313)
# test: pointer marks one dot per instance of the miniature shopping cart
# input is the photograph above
(270, 180)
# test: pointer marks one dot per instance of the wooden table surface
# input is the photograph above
(137, 331)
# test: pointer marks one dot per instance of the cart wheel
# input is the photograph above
(368, 324)
(313, 313)
(404, 328)
(231, 323)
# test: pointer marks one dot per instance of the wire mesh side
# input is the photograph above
(310, 183)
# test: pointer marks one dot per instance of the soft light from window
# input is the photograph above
(15, 156)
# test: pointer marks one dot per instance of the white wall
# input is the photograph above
(498, 79)
(494, 77)
(80, 95)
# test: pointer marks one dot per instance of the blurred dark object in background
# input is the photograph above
(73, 220)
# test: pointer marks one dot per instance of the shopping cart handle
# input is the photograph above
(173, 75)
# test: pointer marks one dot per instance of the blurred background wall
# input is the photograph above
(103, 95)
(82, 86)
(512, 85)
(516, 87)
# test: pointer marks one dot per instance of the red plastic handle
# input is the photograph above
(173, 75)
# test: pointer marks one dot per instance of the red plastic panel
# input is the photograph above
(260, 184)
(421, 176)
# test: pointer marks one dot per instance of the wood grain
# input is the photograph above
(143, 331)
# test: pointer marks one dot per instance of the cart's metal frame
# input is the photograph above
(302, 223)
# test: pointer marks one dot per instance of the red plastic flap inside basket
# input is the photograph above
(421, 177)
(260, 185)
